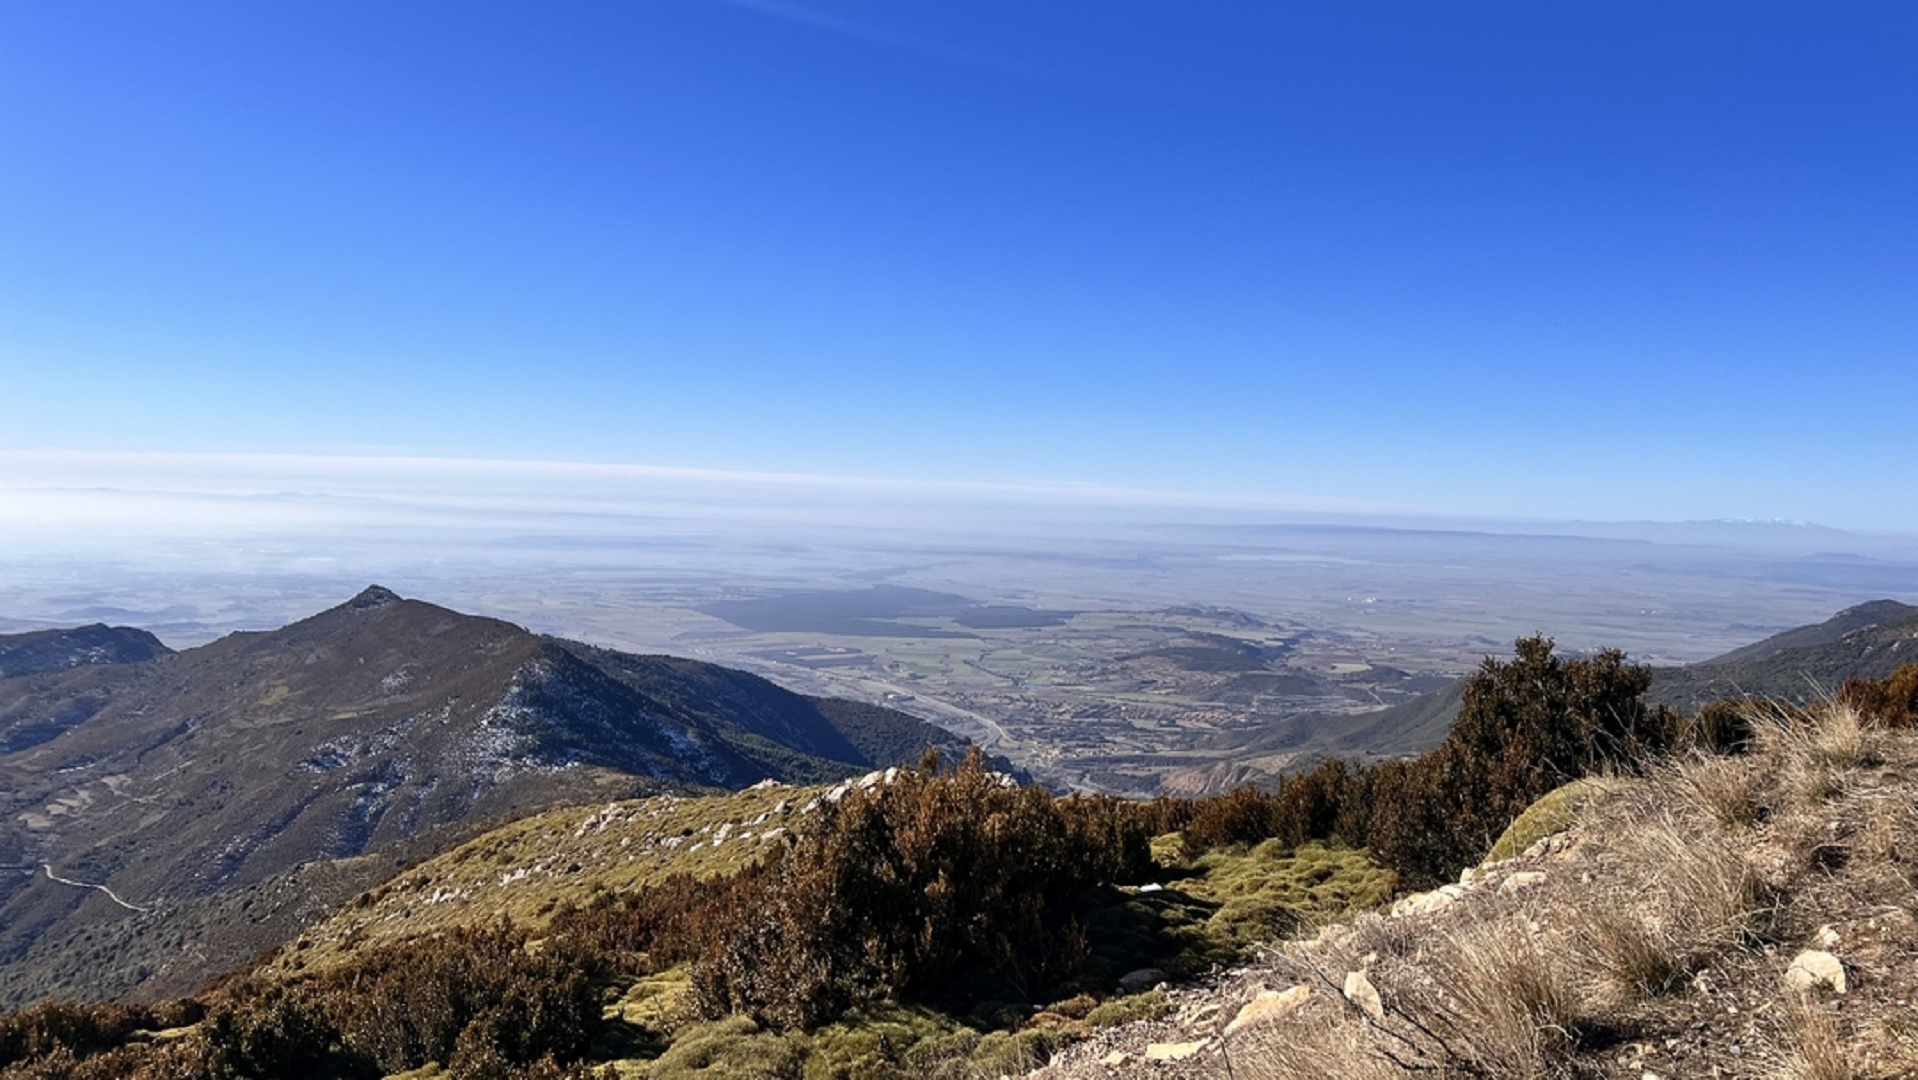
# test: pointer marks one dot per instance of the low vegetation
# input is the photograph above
(947, 922)
(1749, 914)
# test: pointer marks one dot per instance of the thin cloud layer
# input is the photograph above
(214, 493)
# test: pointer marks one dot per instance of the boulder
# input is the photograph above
(1132, 982)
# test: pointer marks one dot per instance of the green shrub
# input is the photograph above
(1150, 1005)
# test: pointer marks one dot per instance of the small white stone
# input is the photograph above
(1174, 1051)
(1815, 967)
(1524, 879)
(1360, 991)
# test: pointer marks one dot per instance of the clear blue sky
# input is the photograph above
(1656, 259)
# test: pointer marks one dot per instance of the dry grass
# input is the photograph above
(1814, 752)
(1724, 789)
(1814, 1049)
(1317, 1048)
(1505, 1000)
(1695, 881)
(526, 869)
(1636, 957)
(1682, 890)
(1480, 1000)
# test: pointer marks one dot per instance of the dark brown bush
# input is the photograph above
(1723, 726)
(1892, 700)
(406, 1005)
(930, 888)
(1525, 726)
(1242, 816)
(83, 1029)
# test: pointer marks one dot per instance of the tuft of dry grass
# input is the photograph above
(1317, 1048)
(1814, 1049)
(1813, 752)
(1637, 958)
(1697, 883)
(1514, 1009)
(1482, 997)
(1724, 789)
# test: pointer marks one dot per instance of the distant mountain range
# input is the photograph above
(1800, 665)
(138, 784)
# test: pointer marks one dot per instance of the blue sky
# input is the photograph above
(1623, 260)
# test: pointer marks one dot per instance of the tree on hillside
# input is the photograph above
(1532, 723)
(1525, 726)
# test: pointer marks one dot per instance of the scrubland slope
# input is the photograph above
(1737, 916)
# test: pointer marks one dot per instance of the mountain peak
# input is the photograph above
(1875, 611)
(374, 596)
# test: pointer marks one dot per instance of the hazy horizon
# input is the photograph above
(193, 546)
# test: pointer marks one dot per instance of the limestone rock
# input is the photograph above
(1816, 967)
(1524, 879)
(1269, 1005)
(1422, 903)
(1174, 1051)
(1360, 991)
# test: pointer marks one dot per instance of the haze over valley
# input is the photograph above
(1098, 638)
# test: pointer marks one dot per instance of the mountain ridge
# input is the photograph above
(220, 767)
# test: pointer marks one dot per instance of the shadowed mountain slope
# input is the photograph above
(1801, 665)
(82, 646)
(224, 766)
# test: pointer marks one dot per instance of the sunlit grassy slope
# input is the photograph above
(1200, 913)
